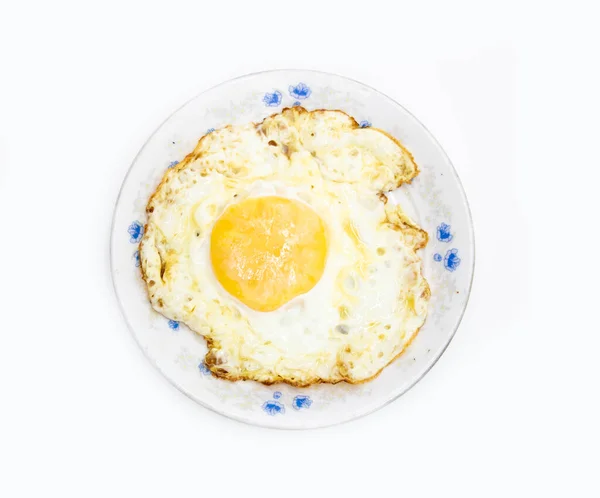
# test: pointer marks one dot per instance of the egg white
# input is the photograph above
(371, 299)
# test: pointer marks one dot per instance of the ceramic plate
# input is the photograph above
(435, 200)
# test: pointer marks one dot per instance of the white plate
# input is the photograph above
(435, 199)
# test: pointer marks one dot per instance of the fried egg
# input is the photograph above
(276, 243)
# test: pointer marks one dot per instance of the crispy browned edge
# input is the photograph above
(210, 362)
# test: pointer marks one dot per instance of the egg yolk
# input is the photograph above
(267, 250)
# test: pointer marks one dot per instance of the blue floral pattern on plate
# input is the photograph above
(277, 395)
(301, 401)
(136, 258)
(272, 99)
(273, 408)
(136, 231)
(437, 257)
(443, 233)
(451, 260)
(173, 325)
(364, 124)
(300, 92)
(297, 103)
(203, 368)
(210, 130)
(173, 163)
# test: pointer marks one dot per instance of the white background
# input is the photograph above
(510, 89)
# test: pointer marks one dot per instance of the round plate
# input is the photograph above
(435, 200)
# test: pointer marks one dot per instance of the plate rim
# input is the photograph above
(432, 362)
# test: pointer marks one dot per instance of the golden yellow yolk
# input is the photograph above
(267, 250)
